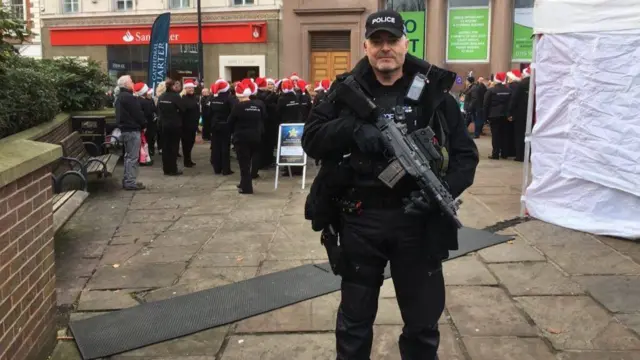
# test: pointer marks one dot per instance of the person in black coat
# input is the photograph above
(149, 111)
(288, 106)
(496, 106)
(246, 122)
(221, 105)
(270, 135)
(518, 113)
(304, 98)
(131, 121)
(205, 105)
(171, 111)
(190, 121)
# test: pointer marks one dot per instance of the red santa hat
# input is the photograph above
(150, 92)
(514, 75)
(189, 83)
(294, 76)
(249, 84)
(261, 82)
(223, 85)
(323, 85)
(286, 85)
(140, 88)
(302, 85)
(318, 86)
(526, 72)
(214, 89)
(500, 77)
(242, 90)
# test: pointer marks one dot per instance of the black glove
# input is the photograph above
(416, 204)
(369, 139)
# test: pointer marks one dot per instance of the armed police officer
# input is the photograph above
(374, 225)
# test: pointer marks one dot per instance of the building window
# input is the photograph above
(468, 24)
(405, 5)
(522, 47)
(243, 2)
(17, 8)
(180, 4)
(189, 49)
(124, 5)
(70, 6)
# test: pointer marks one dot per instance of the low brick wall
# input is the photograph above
(27, 272)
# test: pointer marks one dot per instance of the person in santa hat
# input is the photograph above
(288, 106)
(221, 107)
(146, 104)
(171, 111)
(304, 98)
(190, 121)
(496, 108)
(131, 121)
(518, 113)
(321, 89)
(246, 122)
(271, 84)
(269, 100)
(205, 104)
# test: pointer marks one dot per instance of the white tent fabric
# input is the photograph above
(586, 141)
(566, 16)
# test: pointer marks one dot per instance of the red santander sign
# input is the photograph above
(228, 33)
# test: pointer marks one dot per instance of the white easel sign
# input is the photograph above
(290, 152)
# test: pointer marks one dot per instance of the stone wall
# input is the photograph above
(27, 274)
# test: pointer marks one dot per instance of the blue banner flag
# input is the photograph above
(159, 50)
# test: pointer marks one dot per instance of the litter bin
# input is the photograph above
(92, 129)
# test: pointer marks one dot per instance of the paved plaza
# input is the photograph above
(550, 294)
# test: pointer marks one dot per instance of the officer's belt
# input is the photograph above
(376, 198)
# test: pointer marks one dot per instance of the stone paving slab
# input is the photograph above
(278, 347)
(467, 270)
(578, 323)
(205, 343)
(182, 238)
(616, 293)
(227, 259)
(540, 278)
(513, 251)
(625, 247)
(632, 321)
(105, 300)
(598, 355)
(507, 348)
(485, 311)
(135, 276)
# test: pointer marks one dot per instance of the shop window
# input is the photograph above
(180, 4)
(17, 8)
(124, 5)
(70, 6)
(468, 24)
(243, 2)
(522, 47)
(405, 5)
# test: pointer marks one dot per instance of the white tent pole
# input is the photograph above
(527, 137)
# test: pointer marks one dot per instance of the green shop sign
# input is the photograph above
(468, 34)
(414, 22)
(522, 34)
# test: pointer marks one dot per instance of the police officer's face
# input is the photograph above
(190, 90)
(386, 52)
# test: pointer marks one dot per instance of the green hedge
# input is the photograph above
(34, 91)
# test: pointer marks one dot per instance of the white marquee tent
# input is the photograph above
(585, 145)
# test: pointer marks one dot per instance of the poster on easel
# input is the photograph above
(289, 152)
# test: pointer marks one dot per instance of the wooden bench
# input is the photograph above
(90, 165)
(66, 203)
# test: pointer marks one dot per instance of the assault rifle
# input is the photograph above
(413, 153)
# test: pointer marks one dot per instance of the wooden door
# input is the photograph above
(329, 64)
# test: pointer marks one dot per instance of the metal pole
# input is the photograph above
(200, 49)
(529, 126)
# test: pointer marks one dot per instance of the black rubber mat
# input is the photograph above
(155, 322)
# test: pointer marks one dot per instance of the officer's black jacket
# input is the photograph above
(305, 106)
(328, 134)
(288, 108)
(221, 106)
(474, 99)
(170, 110)
(320, 94)
(246, 121)
(496, 101)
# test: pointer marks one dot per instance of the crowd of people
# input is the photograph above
(245, 115)
(502, 102)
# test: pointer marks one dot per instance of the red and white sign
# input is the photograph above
(229, 33)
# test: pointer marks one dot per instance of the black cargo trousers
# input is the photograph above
(369, 240)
